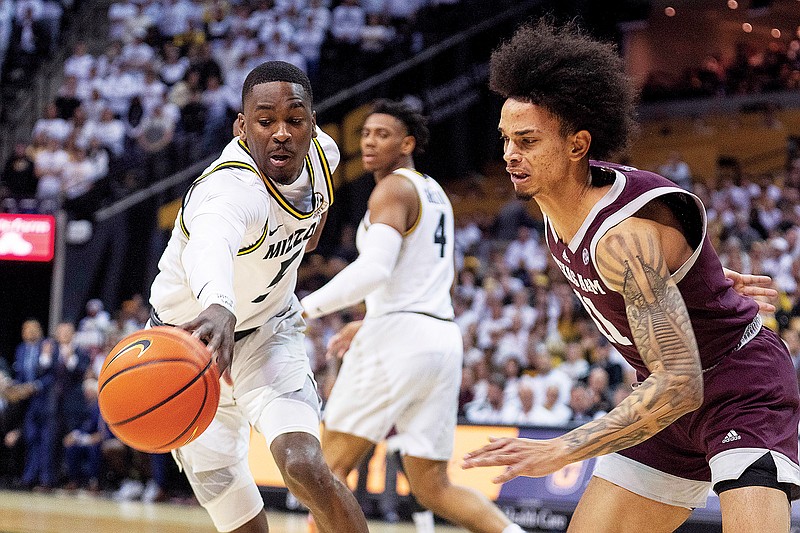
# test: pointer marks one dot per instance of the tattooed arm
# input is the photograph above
(631, 260)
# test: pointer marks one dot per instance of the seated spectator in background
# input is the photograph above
(347, 23)
(520, 307)
(83, 445)
(79, 64)
(28, 45)
(6, 25)
(575, 364)
(18, 174)
(493, 409)
(94, 327)
(110, 131)
(49, 168)
(54, 126)
(552, 412)
(153, 139)
(598, 388)
(546, 375)
(512, 374)
(174, 66)
(601, 358)
(68, 98)
(677, 170)
(582, 405)
(525, 253)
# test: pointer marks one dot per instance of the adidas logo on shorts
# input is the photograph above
(731, 436)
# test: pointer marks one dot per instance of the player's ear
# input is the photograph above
(313, 123)
(239, 128)
(408, 144)
(579, 145)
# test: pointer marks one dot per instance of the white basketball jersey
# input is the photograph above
(423, 274)
(265, 267)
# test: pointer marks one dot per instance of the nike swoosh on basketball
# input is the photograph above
(271, 233)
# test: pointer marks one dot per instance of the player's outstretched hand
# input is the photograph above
(521, 457)
(215, 327)
(757, 287)
(340, 343)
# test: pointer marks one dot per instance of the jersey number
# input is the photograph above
(439, 236)
(605, 326)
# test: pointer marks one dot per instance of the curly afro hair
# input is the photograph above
(416, 124)
(578, 79)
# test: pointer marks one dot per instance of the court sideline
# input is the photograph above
(22, 512)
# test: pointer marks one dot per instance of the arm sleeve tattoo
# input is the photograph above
(633, 264)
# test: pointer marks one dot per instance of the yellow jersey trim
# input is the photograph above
(410, 230)
(282, 201)
(227, 164)
(326, 168)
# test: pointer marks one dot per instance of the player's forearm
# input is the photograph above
(658, 401)
(371, 270)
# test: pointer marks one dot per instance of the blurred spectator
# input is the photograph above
(79, 64)
(6, 26)
(525, 252)
(83, 445)
(347, 23)
(110, 131)
(601, 358)
(28, 45)
(49, 168)
(19, 175)
(68, 98)
(34, 366)
(677, 170)
(153, 140)
(575, 364)
(118, 15)
(52, 125)
(94, 327)
(493, 409)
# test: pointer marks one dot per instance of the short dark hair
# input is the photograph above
(415, 122)
(276, 71)
(577, 78)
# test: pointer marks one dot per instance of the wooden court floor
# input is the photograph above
(22, 512)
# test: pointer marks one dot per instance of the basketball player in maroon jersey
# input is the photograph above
(717, 403)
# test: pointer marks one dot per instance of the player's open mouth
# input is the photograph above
(517, 176)
(279, 160)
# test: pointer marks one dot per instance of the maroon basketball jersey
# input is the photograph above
(718, 314)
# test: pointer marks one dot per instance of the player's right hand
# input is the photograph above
(215, 326)
(340, 343)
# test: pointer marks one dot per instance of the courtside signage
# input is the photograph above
(27, 237)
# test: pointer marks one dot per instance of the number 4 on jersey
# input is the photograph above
(439, 236)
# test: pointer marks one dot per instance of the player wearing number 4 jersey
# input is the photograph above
(403, 363)
(228, 274)
(717, 406)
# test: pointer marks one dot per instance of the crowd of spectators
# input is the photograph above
(753, 69)
(164, 92)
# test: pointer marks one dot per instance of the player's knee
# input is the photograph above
(229, 494)
(303, 466)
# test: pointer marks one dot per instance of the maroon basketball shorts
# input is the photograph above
(751, 407)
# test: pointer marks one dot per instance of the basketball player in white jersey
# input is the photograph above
(403, 362)
(228, 274)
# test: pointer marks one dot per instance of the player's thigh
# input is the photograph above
(343, 451)
(748, 509)
(607, 508)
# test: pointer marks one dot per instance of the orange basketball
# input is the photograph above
(158, 389)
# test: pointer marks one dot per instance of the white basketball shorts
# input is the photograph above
(402, 370)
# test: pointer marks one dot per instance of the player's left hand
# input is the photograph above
(757, 287)
(521, 457)
(215, 326)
